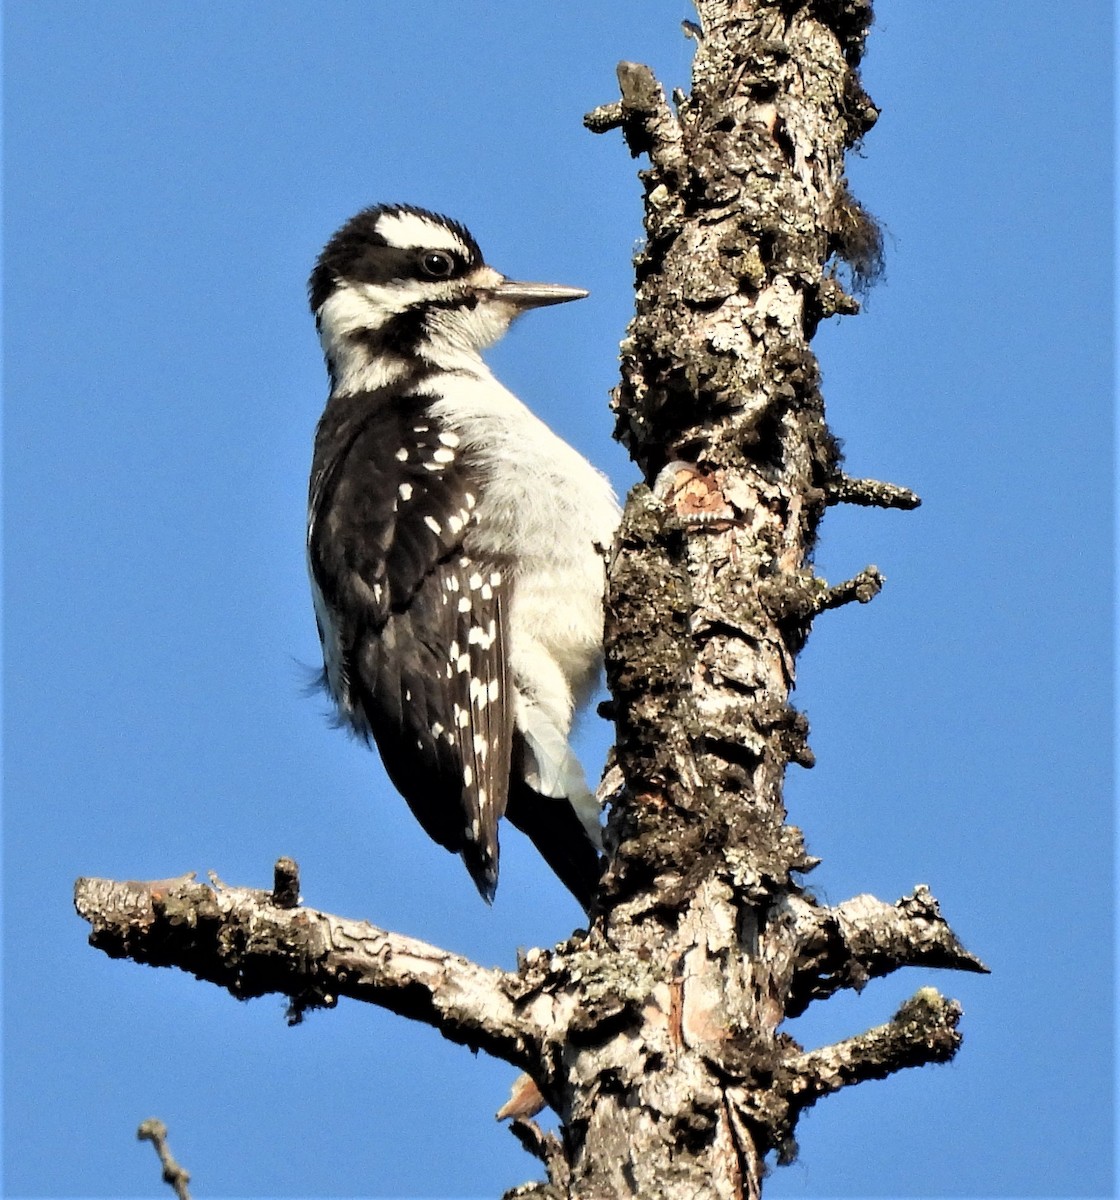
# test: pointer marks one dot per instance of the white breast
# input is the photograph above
(554, 513)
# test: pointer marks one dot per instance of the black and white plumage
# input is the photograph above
(455, 545)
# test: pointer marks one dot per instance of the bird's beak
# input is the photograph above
(536, 295)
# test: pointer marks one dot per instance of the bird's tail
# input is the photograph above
(564, 828)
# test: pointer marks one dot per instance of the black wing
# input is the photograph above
(413, 631)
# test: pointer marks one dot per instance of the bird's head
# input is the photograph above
(397, 281)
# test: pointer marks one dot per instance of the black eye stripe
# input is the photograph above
(381, 265)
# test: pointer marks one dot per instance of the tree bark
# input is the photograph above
(655, 1035)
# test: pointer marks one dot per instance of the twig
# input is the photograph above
(546, 1147)
(805, 595)
(647, 121)
(605, 118)
(155, 1131)
(860, 589)
(285, 883)
(870, 493)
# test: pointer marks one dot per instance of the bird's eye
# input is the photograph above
(437, 264)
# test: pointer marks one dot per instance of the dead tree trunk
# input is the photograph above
(656, 1035)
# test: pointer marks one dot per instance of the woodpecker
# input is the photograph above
(456, 546)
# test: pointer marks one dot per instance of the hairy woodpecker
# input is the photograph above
(455, 545)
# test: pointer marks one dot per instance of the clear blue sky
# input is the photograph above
(172, 169)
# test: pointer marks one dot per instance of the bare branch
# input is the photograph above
(605, 118)
(865, 938)
(155, 1131)
(645, 118)
(242, 940)
(870, 493)
(691, 30)
(545, 1146)
(924, 1030)
(804, 595)
(860, 589)
(833, 301)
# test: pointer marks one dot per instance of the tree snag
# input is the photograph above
(655, 1035)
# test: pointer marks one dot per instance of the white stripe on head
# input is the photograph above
(354, 306)
(411, 231)
(349, 309)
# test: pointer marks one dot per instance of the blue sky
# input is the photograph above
(171, 172)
